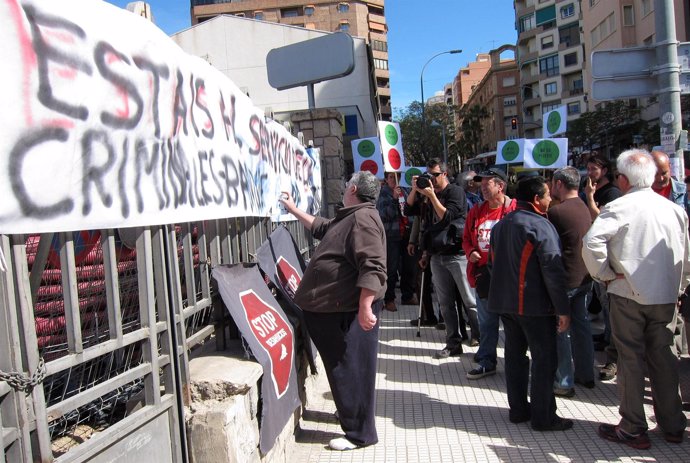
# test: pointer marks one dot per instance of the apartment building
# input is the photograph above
(499, 93)
(360, 18)
(608, 24)
(465, 82)
(550, 58)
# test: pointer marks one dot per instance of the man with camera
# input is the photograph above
(443, 222)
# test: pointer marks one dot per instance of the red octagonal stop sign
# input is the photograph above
(288, 276)
(275, 336)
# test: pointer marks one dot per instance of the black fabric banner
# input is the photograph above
(284, 267)
(270, 336)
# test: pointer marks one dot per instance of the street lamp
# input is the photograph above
(435, 124)
(421, 84)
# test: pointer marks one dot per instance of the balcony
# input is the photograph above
(384, 91)
(377, 18)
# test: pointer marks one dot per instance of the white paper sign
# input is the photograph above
(412, 171)
(107, 123)
(509, 151)
(546, 153)
(555, 122)
(366, 155)
(391, 146)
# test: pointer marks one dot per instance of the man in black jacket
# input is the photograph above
(448, 206)
(528, 289)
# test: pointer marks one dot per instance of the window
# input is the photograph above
(570, 34)
(574, 107)
(547, 42)
(240, 15)
(603, 29)
(570, 59)
(350, 125)
(526, 23)
(510, 101)
(509, 81)
(259, 15)
(567, 11)
(577, 87)
(549, 107)
(309, 10)
(343, 7)
(549, 65)
(628, 15)
(381, 63)
(344, 26)
(379, 45)
(647, 7)
(593, 2)
(551, 88)
(545, 15)
(289, 12)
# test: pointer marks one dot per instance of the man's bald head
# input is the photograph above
(663, 170)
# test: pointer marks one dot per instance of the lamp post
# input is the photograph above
(435, 124)
(421, 84)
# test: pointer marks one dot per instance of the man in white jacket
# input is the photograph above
(639, 247)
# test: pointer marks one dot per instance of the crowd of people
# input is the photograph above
(534, 264)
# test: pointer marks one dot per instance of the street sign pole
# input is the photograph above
(669, 85)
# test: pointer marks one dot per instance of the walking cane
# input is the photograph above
(421, 298)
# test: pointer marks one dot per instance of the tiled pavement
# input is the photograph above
(428, 411)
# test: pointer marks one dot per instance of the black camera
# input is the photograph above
(424, 181)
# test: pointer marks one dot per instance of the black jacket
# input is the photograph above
(527, 273)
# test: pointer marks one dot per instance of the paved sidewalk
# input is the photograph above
(428, 411)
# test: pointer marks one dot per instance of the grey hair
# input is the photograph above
(465, 177)
(569, 176)
(638, 167)
(368, 186)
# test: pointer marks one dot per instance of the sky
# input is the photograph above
(417, 30)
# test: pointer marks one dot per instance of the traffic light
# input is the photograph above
(513, 123)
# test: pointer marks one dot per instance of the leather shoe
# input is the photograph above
(559, 424)
(390, 306)
(674, 437)
(448, 352)
(411, 301)
(588, 384)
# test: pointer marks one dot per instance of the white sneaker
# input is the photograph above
(341, 443)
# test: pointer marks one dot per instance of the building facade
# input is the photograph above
(465, 82)
(550, 58)
(499, 94)
(360, 18)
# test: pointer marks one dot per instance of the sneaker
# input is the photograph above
(614, 433)
(411, 301)
(341, 443)
(480, 372)
(474, 342)
(413, 322)
(564, 391)
(588, 384)
(608, 371)
(560, 424)
(674, 437)
(448, 352)
(390, 306)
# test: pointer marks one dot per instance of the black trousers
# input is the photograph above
(539, 335)
(349, 357)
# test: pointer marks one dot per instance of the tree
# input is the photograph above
(422, 143)
(471, 130)
(612, 124)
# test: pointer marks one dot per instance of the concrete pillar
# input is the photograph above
(324, 128)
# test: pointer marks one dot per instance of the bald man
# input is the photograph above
(664, 184)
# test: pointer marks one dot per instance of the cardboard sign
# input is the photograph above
(391, 146)
(366, 154)
(555, 121)
(546, 153)
(413, 171)
(509, 151)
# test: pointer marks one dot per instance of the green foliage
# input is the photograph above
(611, 123)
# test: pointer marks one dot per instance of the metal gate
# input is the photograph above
(96, 331)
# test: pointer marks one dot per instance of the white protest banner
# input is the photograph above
(546, 153)
(109, 124)
(306, 195)
(555, 122)
(508, 151)
(391, 146)
(406, 178)
(366, 154)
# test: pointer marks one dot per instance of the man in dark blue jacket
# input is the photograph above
(529, 291)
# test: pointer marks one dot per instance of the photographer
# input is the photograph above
(442, 245)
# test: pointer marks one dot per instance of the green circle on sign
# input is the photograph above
(553, 123)
(411, 172)
(510, 151)
(366, 148)
(391, 135)
(545, 153)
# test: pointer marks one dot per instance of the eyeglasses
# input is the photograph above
(436, 174)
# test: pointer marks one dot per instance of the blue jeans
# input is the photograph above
(576, 343)
(447, 272)
(488, 327)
